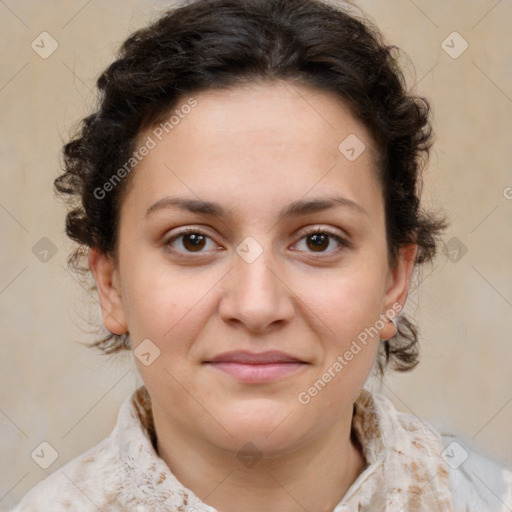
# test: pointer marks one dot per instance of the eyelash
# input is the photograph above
(343, 243)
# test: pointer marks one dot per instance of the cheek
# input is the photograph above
(349, 307)
(347, 302)
(350, 310)
(161, 301)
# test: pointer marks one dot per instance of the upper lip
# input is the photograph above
(246, 357)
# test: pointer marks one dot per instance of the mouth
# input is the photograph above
(255, 368)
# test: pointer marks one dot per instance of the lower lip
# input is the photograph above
(258, 373)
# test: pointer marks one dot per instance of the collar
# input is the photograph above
(404, 471)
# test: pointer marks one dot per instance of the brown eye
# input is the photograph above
(321, 241)
(318, 242)
(193, 242)
(189, 241)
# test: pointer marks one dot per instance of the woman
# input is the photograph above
(248, 203)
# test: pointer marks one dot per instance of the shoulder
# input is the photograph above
(116, 474)
(477, 483)
(75, 485)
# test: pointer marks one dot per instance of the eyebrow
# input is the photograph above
(295, 209)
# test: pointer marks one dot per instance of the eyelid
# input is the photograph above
(185, 231)
(341, 239)
(323, 229)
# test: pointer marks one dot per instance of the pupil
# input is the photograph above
(195, 240)
(319, 241)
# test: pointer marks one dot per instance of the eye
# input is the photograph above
(319, 240)
(193, 240)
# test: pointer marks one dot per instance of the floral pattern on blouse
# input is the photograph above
(405, 470)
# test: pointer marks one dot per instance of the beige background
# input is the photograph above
(54, 389)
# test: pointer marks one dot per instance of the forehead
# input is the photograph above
(269, 115)
(265, 139)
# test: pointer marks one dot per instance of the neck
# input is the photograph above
(314, 477)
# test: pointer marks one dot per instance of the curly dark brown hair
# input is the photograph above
(217, 44)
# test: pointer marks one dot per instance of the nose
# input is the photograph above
(256, 295)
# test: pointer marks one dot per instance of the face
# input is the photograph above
(249, 301)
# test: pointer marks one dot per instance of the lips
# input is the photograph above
(252, 367)
(244, 357)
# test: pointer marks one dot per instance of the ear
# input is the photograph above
(106, 276)
(398, 287)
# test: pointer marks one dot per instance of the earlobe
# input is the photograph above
(105, 274)
(398, 287)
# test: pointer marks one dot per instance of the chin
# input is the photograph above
(268, 424)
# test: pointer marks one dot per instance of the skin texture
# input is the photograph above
(255, 149)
